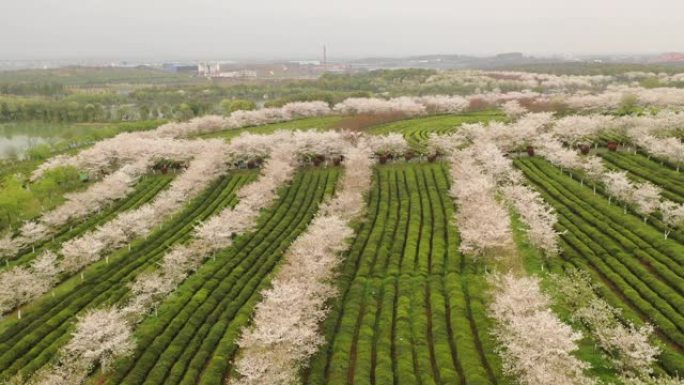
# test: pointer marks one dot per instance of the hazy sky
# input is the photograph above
(298, 28)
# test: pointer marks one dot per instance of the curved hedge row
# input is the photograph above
(28, 344)
(405, 315)
(145, 190)
(661, 257)
(654, 220)
(663, 289)
(193, 337)
(672, 182)
(418, 130)
(642, 269)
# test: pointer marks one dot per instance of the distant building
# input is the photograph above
(209, 70)
(241, 74)
(300, 69)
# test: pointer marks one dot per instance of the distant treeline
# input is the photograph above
(75, 95)
(32, 88)
(582, 68)
(54, 97)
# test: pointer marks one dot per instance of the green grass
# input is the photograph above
(21, 201)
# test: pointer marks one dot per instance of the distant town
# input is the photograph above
(311, 68)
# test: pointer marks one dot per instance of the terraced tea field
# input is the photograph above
(411, 293)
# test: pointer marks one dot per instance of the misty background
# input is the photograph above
(258, 29)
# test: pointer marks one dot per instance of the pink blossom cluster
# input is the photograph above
(285, 326)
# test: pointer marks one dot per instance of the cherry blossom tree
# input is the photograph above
(279, 169)
(493, 162)
(306, 109)
(100, 336)
(444, 103)
(286, 320)
(17, 286)
(627, 345)
(673, 215)
(149, 289)
(671, 149)
(483, 222)
(355, 183)
(80, 252)
(513, 109)
(539, 217)
(575, 129)
(404, 105)
(443, 144)
(204, 169)
(8, 246)
(115, 186)
(618, 185)
(285, 331)
(392, 144)
(537, 348)
(554, 151)
(647, 199)
(46, 269)
(32, 232)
